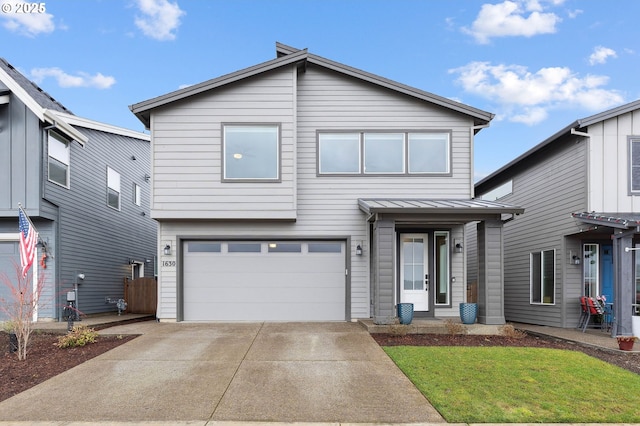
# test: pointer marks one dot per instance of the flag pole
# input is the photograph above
(34, 275)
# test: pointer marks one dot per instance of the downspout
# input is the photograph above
(472, 132)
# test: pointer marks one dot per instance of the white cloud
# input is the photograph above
(160, 19)
(82, 79)
(512, 18)
(600, 55)
(28, 24)
(527, 97)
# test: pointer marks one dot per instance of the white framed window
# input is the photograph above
(137, 194)
(113, 188)
(542, 267)
(591, 270)
(376, 153)
(634, 165)
(59, 159)
(251, 152)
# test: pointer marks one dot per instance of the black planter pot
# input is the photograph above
(13, 343)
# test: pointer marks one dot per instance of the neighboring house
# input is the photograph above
(85, 186)
(581, 191)
(304, 189)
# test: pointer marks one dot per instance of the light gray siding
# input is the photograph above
(187, 148)
(324, 206)
(549, 189)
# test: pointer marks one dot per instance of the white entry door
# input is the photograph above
(414, 270)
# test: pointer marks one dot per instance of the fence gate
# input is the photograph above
(141, 295)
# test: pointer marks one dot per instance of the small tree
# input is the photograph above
(20, 305)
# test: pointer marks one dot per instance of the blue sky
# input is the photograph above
(537, 64)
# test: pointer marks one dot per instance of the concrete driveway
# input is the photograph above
(284, 372)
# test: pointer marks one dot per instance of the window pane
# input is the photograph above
(384, 153)
(58, 172)
(590, 270)
(113, 179)
(251, 152)
(204, 247)
(635, 165)
(442, 267)
(58, 148)
(428, 153)
(137, 194)
(113, 198)
(244, 247)
(339, 152)
(548, 274)
(285, 248)
(325, 248)
(536, 266)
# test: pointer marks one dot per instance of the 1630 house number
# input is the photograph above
(169, 263)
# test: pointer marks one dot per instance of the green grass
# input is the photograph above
(520, 385)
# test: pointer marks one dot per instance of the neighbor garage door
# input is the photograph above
(9, 260)
(264, 281)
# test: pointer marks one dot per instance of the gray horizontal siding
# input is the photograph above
(187, 162)
(549, 190)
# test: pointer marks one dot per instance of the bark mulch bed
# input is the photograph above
(627, 360)
(45, 360)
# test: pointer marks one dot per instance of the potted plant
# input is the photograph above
(468, 313)
(625, 343)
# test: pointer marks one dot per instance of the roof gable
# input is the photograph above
(574, 128)
(287, 55)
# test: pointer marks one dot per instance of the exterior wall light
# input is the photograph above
(457, 246)
(167, 250)
(358, 250)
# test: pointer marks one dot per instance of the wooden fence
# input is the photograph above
(141, 295)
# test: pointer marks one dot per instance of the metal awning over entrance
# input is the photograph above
(470, 207)
(612, 220)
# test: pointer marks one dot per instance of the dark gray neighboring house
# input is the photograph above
(581, 230)
(85, 186)
(302, 189)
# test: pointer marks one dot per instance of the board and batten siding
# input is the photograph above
(323, 206)
(549, 188)
(609, 164)
(187, 152)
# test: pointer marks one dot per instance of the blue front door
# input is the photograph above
(607, 272)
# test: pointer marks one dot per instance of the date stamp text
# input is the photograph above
(23, 8)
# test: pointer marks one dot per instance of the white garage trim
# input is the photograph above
(275, 280)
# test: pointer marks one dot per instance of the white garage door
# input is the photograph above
(264, 281)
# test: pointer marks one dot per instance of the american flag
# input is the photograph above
(28, 241)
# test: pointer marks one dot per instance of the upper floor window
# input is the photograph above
(384, 153)
(113, 188)
(251, 152)
(543, 277)
(634, 165)
(59, 153)
(137, 194)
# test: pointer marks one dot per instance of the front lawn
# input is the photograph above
(520, 385)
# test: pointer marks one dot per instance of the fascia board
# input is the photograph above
(74, 120)
(141, 107)
(21, 94)
(55, 119)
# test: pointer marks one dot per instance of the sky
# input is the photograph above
(538, 65)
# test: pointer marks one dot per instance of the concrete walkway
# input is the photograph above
(240, 372)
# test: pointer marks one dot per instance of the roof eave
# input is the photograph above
(142, 110)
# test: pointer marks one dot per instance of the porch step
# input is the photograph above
(432, 326)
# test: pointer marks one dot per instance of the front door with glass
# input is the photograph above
(414, 271)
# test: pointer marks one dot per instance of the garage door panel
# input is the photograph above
(264, 286)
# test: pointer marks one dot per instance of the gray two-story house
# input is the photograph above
(302, 189)
(579, 236)
(85, 186)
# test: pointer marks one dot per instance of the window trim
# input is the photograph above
(406, 153)
(630, 140)
(118, 191)
(223, 168)
(541, 274)
(137, 194)
(59, 138)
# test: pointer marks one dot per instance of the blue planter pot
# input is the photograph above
(405, 313)
(468, 313)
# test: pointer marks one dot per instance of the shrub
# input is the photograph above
(79, 335)
(511, 332)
